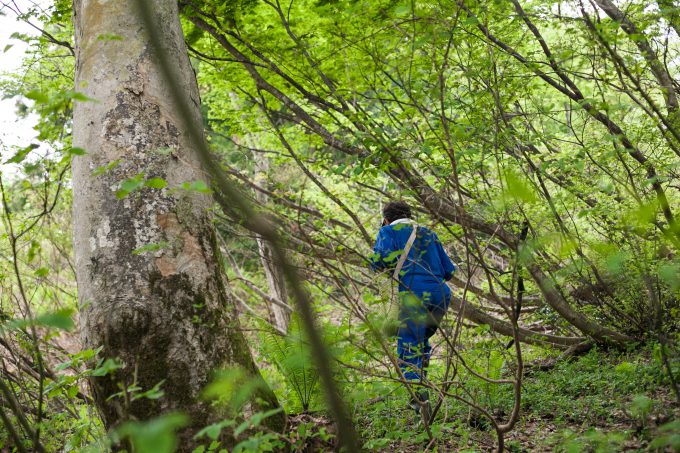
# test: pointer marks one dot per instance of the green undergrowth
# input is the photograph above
(605, 400)
(596, 387)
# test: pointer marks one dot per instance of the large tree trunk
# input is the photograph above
(164, 313)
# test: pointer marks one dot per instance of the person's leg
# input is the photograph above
(413, 349)
(409, 349)
(427, 348)
(411, 336)
(435, 302)
(429, 331)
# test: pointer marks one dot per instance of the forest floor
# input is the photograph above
(603, 401)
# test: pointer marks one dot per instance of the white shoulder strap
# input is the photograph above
(404, 254)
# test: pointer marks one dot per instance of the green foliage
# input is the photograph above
(669, 436)
(292, 356)
(153, 436)
(641, 406)
(60, 319)
(595, 383)
(130, 185)
(195, 186)
(233, 387)
(593, 440)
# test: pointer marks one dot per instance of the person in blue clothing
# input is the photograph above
(424, 295)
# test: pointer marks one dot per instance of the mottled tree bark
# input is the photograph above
(164, 313)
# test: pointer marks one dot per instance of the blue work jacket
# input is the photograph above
(427, 265)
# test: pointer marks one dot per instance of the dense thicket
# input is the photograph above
(543, 137)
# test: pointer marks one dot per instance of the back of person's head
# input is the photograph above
(395, 210)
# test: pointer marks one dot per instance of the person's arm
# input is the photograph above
(446, 263)
(382, 251)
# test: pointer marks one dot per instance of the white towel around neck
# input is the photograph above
(410, 221)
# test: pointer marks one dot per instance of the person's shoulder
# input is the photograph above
(386, 230)
(426, 231)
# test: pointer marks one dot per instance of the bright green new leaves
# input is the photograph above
(109, 37)
(137, 182)
(195, 186)
(157, 435)
(518, 189)
(59, 320)
(669, 273)
(106, 168)
(106, 366)
(151, 248)
(38, 97)
(21, 154)
(233, 387)
(156, 183)
(130, 185)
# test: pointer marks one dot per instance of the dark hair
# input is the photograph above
(396, 210)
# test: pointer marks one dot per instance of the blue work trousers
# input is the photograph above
(421, 311)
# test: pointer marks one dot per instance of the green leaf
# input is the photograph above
(669, 436)
(392, 256)
(105, 367)
(21, 154)
(38, 97)
(42, 272)
(616, 261)
(402, 10)
(670, 275)
(20, 36)
(75, 151)
(106, 168)
(157, 435)
(130, 185)
(60, 319)
(233, 386)
(151, 247)
(72, 152)
(213, 431)
(78, 96)
(156, 183)
(153, 393)
(33, 251)
(109, 37)
(196, 186)
(641, 406)
(518, 189)
(625, 368)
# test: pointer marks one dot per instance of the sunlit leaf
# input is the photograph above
(21, 154)
(157, 435)
(130, 185)
(156, 183)
(151, 247)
